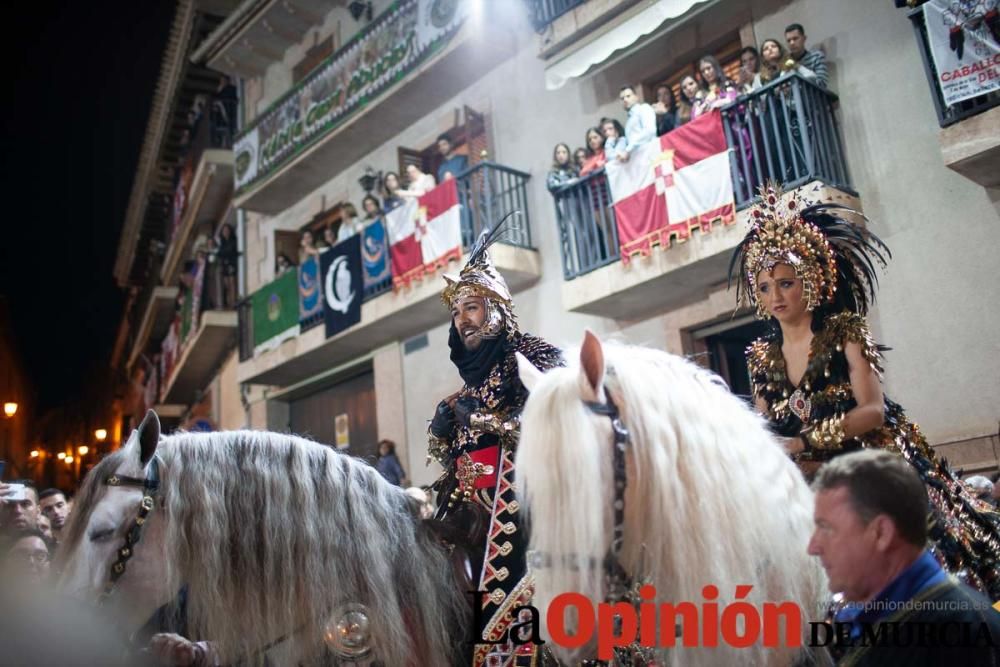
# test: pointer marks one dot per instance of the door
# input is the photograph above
(352, 403)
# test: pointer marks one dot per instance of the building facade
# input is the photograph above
(333, 97)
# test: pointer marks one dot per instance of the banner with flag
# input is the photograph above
(424, 234)
(310, 299)
(375, 254)
(342, 285)
(275, 308)
(671, 185)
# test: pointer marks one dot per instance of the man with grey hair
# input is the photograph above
(871, 537)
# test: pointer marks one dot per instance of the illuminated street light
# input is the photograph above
(61, 455)
(82, 449)
(68, 459)
(34, 454)
(101, 434)
(9, 409)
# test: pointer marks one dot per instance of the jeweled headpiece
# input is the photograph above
(480, 278)
(831, 255)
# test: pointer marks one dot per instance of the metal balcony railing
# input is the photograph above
(947, 115)
(544, 12)
(786, 131)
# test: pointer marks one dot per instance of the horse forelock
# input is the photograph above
(272, 533)
(91, 492)
(711, 497)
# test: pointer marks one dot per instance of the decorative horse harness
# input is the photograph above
(150, 489)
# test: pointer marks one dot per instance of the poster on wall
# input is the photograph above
(342, 429)
(965, 45)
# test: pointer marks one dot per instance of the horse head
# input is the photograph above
(113, 549)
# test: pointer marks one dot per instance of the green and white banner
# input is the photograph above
(275, 309)
(388, 49)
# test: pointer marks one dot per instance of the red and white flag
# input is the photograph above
(678, 182)
(424, 234)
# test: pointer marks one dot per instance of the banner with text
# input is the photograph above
(965, 44)
(378, 57)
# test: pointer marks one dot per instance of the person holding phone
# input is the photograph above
(19, 509)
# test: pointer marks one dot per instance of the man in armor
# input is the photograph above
(474, 434)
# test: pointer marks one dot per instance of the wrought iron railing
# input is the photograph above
(786, 131)
(487, 192)
(544, 12)
(947, 114)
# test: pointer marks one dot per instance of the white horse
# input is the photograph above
(273, 537)
(711, 498)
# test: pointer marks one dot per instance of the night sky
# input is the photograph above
(80, 79)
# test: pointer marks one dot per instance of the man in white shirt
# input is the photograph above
(641, 124)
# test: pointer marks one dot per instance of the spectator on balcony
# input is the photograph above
(419, 182)
(307, 246)
(563, 171)
(749, 68)
(283, 263)
(390, 185)
(812, 59)
(579, 158)
(329, 238)
(223, 113)
(595, 158)
(719, 90)
(775, 63)
(453, 163)
(372, 209)
(350, 224)
(614, 138)
(691, 94)
(228, 254)
(640, 128)
(665, 109)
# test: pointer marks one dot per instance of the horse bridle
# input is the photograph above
(150, 486)
(618, 579)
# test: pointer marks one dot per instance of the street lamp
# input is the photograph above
(61, 455)
(9, 409)
(82, 449)
(34, 454)
(101, 434)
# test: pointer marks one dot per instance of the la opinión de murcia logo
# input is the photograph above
(738, 624)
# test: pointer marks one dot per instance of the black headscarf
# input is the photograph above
(475, 365)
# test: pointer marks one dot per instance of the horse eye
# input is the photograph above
(101, 535)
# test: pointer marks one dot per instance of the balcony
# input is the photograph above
(970, 142)
(487, 192)
(786, 132)
(201, 355)
(155, 321)
(203, 193)
(310, 134)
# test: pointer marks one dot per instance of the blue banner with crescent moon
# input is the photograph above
(375, 255)
(342, 285)
(310, 299)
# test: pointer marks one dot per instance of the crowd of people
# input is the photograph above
(698, 93)
(31, 525)
(313, 242)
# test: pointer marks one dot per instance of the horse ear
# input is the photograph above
(592, 363)
(528, 372)
(149, 436)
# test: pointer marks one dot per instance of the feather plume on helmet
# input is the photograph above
(832, 256)
(480, 278)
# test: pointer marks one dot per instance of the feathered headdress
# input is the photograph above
(480, 278)
(834, 257)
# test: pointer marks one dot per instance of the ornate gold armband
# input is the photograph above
(490, 423)
(827, 434)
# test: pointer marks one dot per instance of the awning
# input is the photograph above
(621, 36)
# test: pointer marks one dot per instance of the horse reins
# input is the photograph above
(618, 580)
(150, 486)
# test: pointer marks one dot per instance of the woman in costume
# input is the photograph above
(817, 375)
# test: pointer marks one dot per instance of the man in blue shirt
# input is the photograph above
(452, 164)
(641, 124)
(902, 608)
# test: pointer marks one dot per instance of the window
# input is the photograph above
(728, 56)
(469, 138)
(315, 56)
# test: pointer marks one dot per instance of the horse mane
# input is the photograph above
(711, 497)
(272, 534)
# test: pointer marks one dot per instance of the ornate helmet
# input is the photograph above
(480, 278)
(832, 256)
